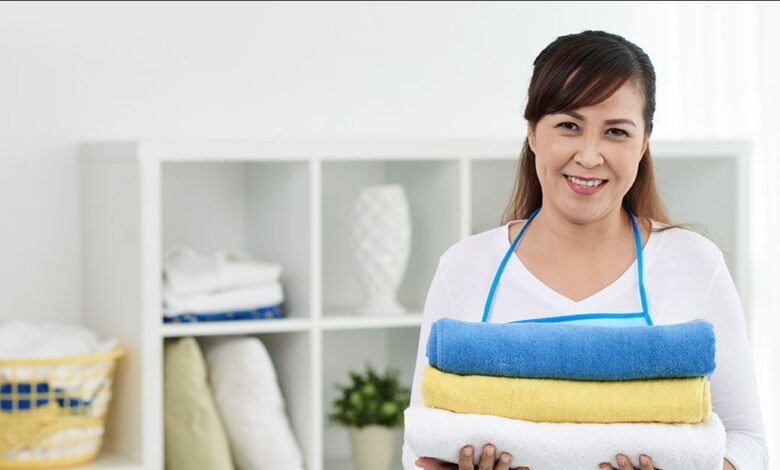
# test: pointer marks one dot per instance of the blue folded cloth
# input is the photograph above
(19, 396)
(576, 352)
(261, 313)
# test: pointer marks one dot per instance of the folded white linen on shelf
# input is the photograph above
(251, 405)
(235, 299)
(187, 271)
(440, 434)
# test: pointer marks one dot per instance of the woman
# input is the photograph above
(586, 182)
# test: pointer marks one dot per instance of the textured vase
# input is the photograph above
(380, 243)
(372, 447)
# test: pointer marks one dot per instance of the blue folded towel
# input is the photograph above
(260, 313)
(576, 352)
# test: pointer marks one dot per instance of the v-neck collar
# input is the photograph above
(629, 278)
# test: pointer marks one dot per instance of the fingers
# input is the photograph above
(646, 463)
(428, 463)
(488, 458)
(465, 459)
(503, 461)
(624, 463)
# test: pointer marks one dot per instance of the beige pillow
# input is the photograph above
(194, 435)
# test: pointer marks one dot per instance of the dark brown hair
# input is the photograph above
(580, 70)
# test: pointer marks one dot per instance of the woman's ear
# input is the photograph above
(532, 138)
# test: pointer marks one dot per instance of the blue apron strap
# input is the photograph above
(640, 266)
(639, 258)
(489, 302)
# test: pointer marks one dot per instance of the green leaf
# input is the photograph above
(369, 390)
(356, 400)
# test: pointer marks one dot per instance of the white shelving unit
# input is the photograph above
(288, 202)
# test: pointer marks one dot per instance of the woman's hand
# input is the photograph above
(624, 463)
(645, 463)
(487, 461)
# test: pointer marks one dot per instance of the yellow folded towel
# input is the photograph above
(685, 400)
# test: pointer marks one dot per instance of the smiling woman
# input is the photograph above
(601, 252)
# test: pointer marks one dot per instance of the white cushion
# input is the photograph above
(251, 405)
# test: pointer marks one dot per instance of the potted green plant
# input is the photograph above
(371, 407)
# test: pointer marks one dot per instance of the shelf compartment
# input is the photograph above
(350, 350)
(491, 188)
(291, 357)
(244, 206)
(432, 190)
(291, 354)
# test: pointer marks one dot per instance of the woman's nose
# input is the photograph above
(590, 154)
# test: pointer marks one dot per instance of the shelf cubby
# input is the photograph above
(345, 351)
(432, 191)
(244, 206)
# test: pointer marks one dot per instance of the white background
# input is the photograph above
(135, 71)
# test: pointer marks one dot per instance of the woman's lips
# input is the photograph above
(584, 190)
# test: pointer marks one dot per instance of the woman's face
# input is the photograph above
(603, 142)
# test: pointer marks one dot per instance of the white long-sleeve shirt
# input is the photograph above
(685, 277)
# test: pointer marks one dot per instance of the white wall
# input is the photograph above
(265, 71)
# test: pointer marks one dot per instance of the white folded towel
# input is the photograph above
(441, 434)
(188, 272)
(245, 298)
(22, 340)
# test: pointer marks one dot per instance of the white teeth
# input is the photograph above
(583, 182)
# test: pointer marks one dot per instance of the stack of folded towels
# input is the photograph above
(219, 286)
(569, 396)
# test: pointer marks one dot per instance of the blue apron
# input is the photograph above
(602, 319)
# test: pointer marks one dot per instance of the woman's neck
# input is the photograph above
(566, 237)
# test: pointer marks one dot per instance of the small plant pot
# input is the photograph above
(372, 447)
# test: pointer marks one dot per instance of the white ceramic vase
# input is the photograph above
(372, 447)
(380, 243)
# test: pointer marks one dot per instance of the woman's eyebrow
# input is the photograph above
(608, 121)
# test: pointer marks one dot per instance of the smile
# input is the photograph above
(585, 187)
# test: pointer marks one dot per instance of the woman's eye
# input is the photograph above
(612, 131)
(568, 125)
(620, 132)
